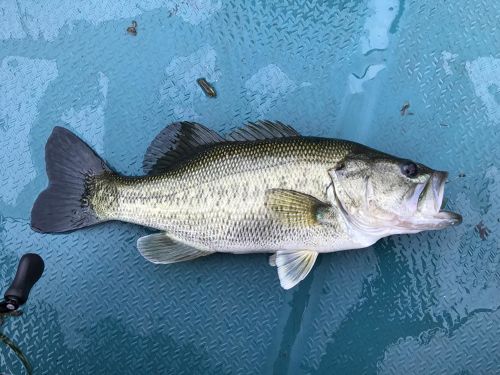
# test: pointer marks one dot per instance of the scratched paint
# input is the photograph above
(381, 14)
(448, 58)
(356, 82)
(268, 86)
(484, 72)
(88, 121)
(24, 82)
(23, 18)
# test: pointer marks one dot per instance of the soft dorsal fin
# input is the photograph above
(176, 142)
(259, 130)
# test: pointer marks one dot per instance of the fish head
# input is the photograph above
(383, 195)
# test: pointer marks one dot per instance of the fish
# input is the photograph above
(262, 188)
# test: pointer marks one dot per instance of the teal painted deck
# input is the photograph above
(421, 304)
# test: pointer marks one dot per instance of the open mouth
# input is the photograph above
(422, 209)
(430, 201)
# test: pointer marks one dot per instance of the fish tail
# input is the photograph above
(71, 168)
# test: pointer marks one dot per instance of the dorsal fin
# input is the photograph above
(176, 142)
(259, 130)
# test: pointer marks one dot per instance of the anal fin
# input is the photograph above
(158, 248)
(293, 267)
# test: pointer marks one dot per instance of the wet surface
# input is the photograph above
(426, 303)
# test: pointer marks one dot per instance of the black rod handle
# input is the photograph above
(29, 271)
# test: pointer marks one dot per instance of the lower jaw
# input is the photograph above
(439, 220)
(451, 217)
(419, 222)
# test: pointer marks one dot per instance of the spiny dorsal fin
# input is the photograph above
(160, 249)
(295, 208)
(259, 130)
(293, 267)
(176, 142)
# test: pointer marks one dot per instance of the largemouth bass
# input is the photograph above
(262, 188)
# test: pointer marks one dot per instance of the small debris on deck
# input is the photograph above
(483, 230)
(206, 87)
(132, 29)
(404, 109)
(173, 11)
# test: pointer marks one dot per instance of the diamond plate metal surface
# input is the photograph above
(427, 303)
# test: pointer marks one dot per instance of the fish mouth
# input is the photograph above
(430, 201)
(422, 209)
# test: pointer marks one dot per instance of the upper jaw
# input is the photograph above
(429, 213)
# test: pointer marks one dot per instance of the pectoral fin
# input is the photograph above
(160, 249)
(293, 267)
(295, 208)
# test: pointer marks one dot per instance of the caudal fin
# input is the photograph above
(64, 205)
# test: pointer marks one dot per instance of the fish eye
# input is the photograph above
(409, 169)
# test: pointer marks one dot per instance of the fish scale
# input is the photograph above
(217, 200)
